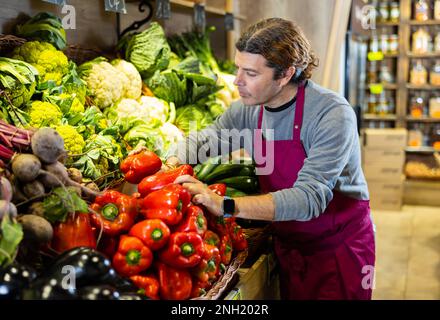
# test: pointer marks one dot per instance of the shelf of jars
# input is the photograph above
(427, 55)
(425, 23)
(422, 119)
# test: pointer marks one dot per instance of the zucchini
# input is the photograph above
(248, 170)
(197, 168)
(244, 183)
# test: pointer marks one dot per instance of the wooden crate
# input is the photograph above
(419, 192)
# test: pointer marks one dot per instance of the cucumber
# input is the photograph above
(244, 183)
(248, 170)
(231, 192)
(197, 168)
(207, 167)
(223, 171)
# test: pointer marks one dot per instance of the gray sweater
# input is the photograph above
(329, 136)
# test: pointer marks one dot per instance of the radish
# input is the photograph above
(58, 172)
(33, 189)
(36, 228)
(26, 167)
(5, 189)
(47, 145)
(7, 207)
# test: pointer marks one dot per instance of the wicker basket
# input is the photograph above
(73, 52)
(258, 240)
(221, 284)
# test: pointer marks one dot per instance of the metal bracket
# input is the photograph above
(136, 24)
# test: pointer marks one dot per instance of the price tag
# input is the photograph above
(376, 88)
(163, 9)
(58, 2)
(200, 17)
(229, 21)
(115, 6)
(375, 56)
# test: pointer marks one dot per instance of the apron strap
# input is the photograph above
(299, 111)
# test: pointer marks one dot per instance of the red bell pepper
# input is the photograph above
(148, 285)
(238, 238)
(132, 256)
(163, 178)
(76, 231)
(208, 268)
(194, 221)
(184, 250)
(140, 165)
(211, 238)
(168, 204)
(217, 224)
(219, 188)
(154, 233)
(114, 211)
(226, 249)
(174, 284)
(199, 288)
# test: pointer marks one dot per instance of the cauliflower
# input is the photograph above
(73, 141)
(44, 114)
(105, 82)
(51, 63)
(133, 85)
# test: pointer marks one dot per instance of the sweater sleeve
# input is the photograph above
(332, 140)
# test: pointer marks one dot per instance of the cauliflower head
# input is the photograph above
(133, 83)
(51, 63)
(106, 83)
(73, 141)
(44, 114)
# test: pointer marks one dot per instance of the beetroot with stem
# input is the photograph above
(48, 145)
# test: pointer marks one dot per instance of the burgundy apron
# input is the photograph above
(329, 257)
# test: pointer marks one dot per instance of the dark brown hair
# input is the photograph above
(283, 44)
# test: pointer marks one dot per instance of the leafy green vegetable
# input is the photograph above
(11, 234)
(167, 85)
(61, 202)
(149, 50)
(192, 117)
(44, 27)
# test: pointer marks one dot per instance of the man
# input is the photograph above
(316, 195)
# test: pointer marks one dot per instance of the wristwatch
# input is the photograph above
(228, 207)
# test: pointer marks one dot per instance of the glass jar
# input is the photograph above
(434, 75)
(437, 41)
(372, 73)
(437, 10)
(421, 10)
(418, 74)
(434, 107)
(385, 75)
(384, 43)
(393, 43)
(415, 136)
(394, 11)
(391, 104)
(384, 13)
(382, 107)
(417, 106)
(421, 41)
(374, 43)
(435, 137)
(372, 103)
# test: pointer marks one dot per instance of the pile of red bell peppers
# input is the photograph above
(168, 247)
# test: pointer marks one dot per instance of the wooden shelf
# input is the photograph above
(391, 55)
(425, 23)
(213, 10)
(422, 119)
(376, 117)
(387, 24)
(423, 87)
(420, 150)
(424, 55)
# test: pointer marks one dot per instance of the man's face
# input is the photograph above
(255, 79)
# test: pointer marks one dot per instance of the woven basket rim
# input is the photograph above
(221, 284)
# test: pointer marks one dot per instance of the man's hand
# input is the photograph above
(171, 163)
(202, 194)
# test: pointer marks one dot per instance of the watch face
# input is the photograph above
(228, 206)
